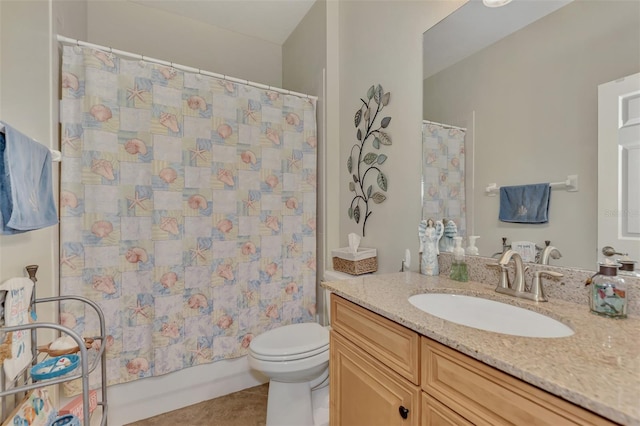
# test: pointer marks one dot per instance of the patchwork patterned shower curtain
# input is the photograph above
(188, 211)
(443, 174)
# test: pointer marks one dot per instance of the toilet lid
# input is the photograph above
(291, 340)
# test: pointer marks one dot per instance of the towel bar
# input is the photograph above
(55, 154)
(570, 185)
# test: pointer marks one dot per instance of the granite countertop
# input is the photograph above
(597, 368)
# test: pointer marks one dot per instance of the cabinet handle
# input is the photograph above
(404, 412)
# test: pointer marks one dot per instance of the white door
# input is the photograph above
(619, 166)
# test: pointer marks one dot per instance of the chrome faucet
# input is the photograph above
(549, 252)
(517, 288)
(518, 280)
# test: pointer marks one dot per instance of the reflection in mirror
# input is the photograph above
(443, 172)
(529, 102)
(619, 165)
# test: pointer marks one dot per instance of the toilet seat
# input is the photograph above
(290, 342)
(285, 358)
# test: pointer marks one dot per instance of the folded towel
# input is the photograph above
(26, 186)
(525, 203)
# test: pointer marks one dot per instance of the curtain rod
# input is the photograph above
(446, 126)
(67, 40)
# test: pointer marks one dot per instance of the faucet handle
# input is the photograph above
(537, 290)
(550, 273)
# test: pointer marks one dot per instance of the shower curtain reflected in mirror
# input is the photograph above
(443, 174)
(188, 211)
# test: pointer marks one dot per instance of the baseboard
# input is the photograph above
(152, 396)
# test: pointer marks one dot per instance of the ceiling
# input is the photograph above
(270, 20)
(474, 26)
(471, 28)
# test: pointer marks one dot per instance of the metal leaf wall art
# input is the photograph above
(365, 159)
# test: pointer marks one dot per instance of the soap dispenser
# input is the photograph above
(458, 267)
(472, 250)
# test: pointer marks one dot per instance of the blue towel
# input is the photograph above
(525, 203)
(26, 186)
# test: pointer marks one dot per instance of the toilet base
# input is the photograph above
(320, 403)
(289, 404)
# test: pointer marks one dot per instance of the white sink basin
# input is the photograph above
(489, 315)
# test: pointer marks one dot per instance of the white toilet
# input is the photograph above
(296, 359)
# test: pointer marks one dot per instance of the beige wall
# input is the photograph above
(304, 53)
(381, 43)
(162, 35)
(535, 100)
(70, 18)
(26, 104)
(304, 62)
(331, 157)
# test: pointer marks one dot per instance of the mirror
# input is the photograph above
(528, 99)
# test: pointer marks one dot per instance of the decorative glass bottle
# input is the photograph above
(608, 293)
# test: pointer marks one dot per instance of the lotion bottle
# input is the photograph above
(458, 267)
(472, 250)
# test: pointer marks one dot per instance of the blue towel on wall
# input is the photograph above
(525, 203)
(26, 186)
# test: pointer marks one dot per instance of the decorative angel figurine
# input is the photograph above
(450, 231)
(430, 233)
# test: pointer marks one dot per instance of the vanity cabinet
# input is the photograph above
(366, 392)
(484, 395)
(380, 370)
(374, 368)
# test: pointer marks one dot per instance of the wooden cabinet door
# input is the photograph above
(434, 413)
(395, 346)
(489, 397)
(363, 392)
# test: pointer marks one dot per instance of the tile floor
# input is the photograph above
(245, 408)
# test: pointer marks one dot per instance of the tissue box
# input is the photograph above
(365, 260)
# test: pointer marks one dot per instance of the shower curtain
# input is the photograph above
(188, 211)
(443, 174)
